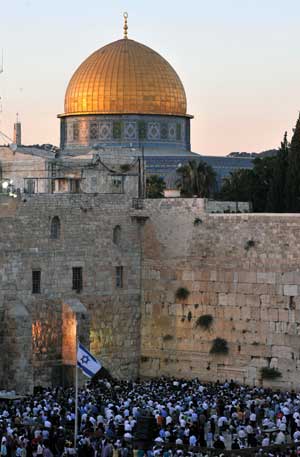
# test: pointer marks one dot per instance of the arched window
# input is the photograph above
(55, 228)
(117, 235)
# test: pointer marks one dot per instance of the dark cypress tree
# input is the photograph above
(276, 201)
(263, 171)
(293, 173)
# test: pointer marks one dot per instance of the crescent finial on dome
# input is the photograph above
(125, 15)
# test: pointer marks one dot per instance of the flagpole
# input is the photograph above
(76, 390)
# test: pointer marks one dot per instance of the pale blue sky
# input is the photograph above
(238, 60)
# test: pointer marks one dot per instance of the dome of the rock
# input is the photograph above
(125, 77)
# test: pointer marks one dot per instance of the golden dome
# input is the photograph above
(125, 77)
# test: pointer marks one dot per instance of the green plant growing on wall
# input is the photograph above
(205, 321)
(144, 359)
(270, 373)
(125, 167)
(182, 293)
(197, 221)
(219, 346)
(168, 337)
(249, 244)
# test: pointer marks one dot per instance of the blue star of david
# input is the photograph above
(85, 359)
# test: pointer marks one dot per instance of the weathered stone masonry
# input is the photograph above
(242, 269)
(34, 326)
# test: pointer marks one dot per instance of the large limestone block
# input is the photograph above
(260, 289)
(225, 276)
(257, 362)
(290, 289)
(223, 299)
(252, 300)
(256, 350)
(247, 277)
(245, 288)
(291, 277)
(188, 275)
(245, 313)
(283, 315)
(232, 312)
(266, 278)
(281, 352)
(223, 287)
(285, 365)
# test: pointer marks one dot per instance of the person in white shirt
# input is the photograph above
(253, 418)
(266, 441)
(192, 440)
(296, 435)
(280, 438)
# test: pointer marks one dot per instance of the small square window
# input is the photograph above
(119, 277)
(77, 279)
(36, 281)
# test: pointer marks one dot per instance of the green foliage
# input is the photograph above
(237, 186)
(250, 185)
(168, 337)
(270, 373)
(182, 293)
(273, 184)
(197, 221)
(144, 359)
(219, 346)
(276, 199)
(293, 172)
(196, 178)
(155, 186)
(205, 321)
(125, 167)
(249, 244)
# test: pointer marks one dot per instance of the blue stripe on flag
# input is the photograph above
(85, 370)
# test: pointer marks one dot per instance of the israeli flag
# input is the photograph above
(88, 364)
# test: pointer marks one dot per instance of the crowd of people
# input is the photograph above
(161, 417)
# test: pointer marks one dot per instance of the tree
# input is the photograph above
(276, 198)
(196, 178)
(155, 186)
(263, 172)
(250, 185)
(292, 183)
(238, 186)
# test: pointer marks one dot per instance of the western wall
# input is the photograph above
(241, 269)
